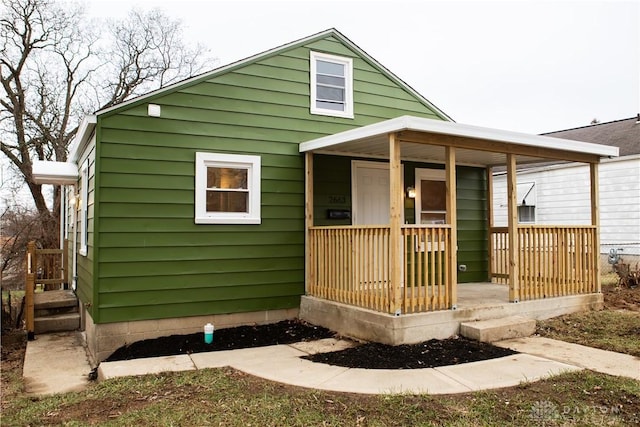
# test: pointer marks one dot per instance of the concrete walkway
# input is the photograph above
(56, 363)
(607, 362)
(540, 358)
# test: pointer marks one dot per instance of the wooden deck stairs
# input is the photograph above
(56, 311)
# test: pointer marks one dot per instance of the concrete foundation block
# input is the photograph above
(498, 329)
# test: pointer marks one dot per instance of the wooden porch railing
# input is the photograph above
(47, 267)
(426, 273)
(351, 265)
(499, 259)
(553, 260)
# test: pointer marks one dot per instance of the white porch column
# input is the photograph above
(396, 266)
(514, 268)
(595, 221)
(452, 219)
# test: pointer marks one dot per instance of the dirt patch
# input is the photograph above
(620, 298)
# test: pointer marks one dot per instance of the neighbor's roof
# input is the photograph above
(373, 141)
(624, 134)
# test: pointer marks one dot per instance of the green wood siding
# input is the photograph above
(471, 186)
(152, 260)
(332, 185)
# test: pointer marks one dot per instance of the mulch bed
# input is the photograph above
(428, 354)
(285, 332)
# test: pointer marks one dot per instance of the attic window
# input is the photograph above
(227, 189)
(331, 85)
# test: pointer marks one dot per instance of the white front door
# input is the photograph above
(370, 190)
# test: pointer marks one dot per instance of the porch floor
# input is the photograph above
(475, 302)
(481, 294)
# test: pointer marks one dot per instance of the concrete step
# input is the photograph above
(38, 312)
(57, 323)
(498, 329)
(54, 299)
(51, 303)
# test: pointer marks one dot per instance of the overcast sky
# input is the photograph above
(529, 66)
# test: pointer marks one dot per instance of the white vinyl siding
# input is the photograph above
(562, 197)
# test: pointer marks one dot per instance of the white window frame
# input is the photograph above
(522, 220)
(237, 161)
(348, 89)
(84, 209)
(526, 196)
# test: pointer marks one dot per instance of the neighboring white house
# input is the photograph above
(559, 193)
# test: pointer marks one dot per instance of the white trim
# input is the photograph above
(83, 136)
(251, 163)
(57, 173)
(456, 129)
(84, 209)
(347, 63)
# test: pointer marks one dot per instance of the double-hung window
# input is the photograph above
(331, 85)
(227, 189)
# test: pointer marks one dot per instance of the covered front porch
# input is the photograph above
(410, 267)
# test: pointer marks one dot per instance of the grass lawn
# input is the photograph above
(609, 330)
(225, 397)
(617, 328)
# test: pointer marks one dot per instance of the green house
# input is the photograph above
(297, 182)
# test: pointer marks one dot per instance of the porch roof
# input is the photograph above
(57, 173)
(425, 140)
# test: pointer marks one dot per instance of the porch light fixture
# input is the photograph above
(411, 192)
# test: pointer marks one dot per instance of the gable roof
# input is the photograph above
(624, 134)
(332, 32)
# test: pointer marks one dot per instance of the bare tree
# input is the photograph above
(19, 226)
(54, 69)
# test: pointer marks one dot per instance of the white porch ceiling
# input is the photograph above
(373, 141)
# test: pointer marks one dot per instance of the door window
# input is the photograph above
(431, 196)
